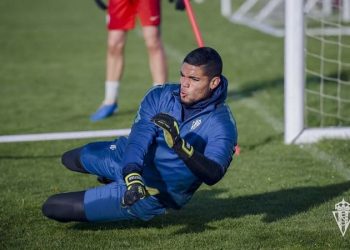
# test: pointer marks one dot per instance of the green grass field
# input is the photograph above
(52, 63)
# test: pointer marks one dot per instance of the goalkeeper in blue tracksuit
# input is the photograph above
(183, 135)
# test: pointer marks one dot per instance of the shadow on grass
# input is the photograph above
(207, 207)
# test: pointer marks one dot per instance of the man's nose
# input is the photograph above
(185, 82)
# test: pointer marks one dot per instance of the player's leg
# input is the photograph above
(114, 70)
(104, 203)
(98, 158)
(98, 204)
(114, 64)
(71, 160)
(103, 158)
(156, 53)
(150, 14)
(65, 207)
(121, 18)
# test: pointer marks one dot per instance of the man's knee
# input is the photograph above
(115, 49)
(154, 45)
(116, 42)
(71, 159)
(152, 38)
(65, 207)
(49, 208)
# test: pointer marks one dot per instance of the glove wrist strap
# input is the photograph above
(133, 178)
(183, 149)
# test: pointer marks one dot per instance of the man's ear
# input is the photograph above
(215, 81)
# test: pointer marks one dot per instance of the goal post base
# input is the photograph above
(313, 135)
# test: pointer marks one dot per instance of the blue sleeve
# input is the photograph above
(211, 166)
(222, 140)
(142, 132)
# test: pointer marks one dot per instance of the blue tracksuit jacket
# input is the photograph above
(212, 132)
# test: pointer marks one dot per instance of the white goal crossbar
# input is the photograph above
(256, 15)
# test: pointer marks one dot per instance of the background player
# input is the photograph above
(121, 18)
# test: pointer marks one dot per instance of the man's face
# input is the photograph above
(195, 84)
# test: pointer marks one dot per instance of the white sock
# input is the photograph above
(111, 92)
(157, 83)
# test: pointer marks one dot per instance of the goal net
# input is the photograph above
(317, 61)
(327, 69)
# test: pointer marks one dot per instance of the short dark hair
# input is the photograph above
(207, 57)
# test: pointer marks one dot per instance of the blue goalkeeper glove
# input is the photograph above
(172, 135)
(135, 189)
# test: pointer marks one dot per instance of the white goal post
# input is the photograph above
(294, 71)
(309, 28)
(294, 86)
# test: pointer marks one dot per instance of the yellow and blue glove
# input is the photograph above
(172, 135)
(136, 189)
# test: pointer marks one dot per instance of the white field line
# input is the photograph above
(64, 135)
(315, 152)
(329, 159)
(275, 123)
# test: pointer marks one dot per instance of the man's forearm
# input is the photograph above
(204, 168)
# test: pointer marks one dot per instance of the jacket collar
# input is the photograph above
(218, 97)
